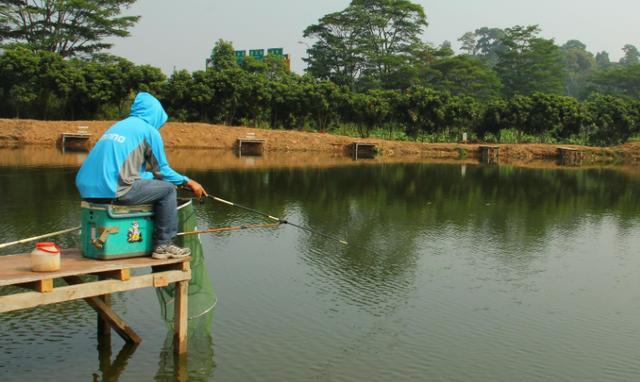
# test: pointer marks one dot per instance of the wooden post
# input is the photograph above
(180, 318)
(104, 329)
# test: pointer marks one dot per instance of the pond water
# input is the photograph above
(470, 273)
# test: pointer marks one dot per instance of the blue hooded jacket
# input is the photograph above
(122, 154)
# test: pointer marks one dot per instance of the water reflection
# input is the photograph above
(198, 364)
(111, 371)
(403, 212)
(477, 272)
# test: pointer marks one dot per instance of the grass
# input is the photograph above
(505, 136)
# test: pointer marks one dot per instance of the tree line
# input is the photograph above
(368, 73)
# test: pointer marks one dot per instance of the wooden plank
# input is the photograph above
(16, 269)
(160, 280)
(105, 312)
(28, 300)
(180, 318)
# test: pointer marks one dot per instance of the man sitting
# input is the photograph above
(116, 172)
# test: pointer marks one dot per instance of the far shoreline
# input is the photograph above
(201, 136)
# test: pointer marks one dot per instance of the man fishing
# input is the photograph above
(116, 172)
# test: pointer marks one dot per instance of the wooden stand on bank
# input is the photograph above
(569, 156)
(250, 145)
(490, 154)
(75, 140)
(363, 150)
(112, 276)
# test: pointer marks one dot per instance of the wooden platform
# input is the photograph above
(113, 276)
(490, 154)
(363, 150)
(74, 141)
(250, 146)
(569, 156)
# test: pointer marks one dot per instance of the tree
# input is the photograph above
(613, 120)
(631, 55)
(489, 44)
(578, 63)
(423, 110)
(336, 54)
(468, 43)
(529, 63)
(602, 60)
(223, 56)
(68, 27)
(369, 110)
(255, 99)
(175, 95)
(464, 75)
(620, 80)
(322, 98)
(370, 38)
(18, 75)
(560, 116)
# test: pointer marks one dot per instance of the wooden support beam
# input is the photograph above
(119, 274)
(44, 286)
(184, 266)
(28, 300)
(105, 312)
(104, 329)
(41, 286)
(180, 318)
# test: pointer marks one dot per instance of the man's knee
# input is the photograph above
(167, 188)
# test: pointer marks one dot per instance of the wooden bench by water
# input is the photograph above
(79, 274)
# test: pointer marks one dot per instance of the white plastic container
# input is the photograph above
(45, 258)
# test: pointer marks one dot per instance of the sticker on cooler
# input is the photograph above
(133, 234)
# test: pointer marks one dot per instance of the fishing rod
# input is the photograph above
(283, 221)
(27, 240)
(227, 229)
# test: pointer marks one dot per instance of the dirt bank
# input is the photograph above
(16, 132)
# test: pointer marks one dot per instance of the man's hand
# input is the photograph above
(196, 188)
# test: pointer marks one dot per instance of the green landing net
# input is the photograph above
(202, 298)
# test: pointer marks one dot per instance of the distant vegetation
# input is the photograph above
(369, 74)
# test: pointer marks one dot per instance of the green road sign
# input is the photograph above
(258, 54)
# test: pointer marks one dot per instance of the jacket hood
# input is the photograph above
(149, 109)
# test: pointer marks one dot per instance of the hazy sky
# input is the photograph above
(180, 34)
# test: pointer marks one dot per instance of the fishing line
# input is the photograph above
(284, 221)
